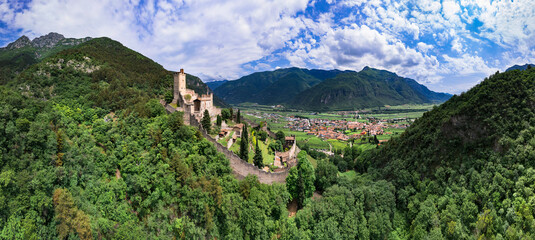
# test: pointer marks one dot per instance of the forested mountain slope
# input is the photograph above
(466, 169)
(272, 87)
(367, 88)
(18, 55)
(325, 90)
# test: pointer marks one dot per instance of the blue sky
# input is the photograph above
(447, 45)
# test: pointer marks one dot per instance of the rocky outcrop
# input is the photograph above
(47, 41)
(19, 43)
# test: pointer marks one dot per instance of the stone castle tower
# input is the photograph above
(188, 101)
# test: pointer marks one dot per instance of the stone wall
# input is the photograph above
(240, 168)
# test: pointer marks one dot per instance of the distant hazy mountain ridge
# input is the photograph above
(518, 67)
(327, 89)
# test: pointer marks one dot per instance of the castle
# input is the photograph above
(191, 103)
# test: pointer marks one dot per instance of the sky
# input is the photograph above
(447, 45)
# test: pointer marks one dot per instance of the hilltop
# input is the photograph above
(323, 90)
(20, 54)
(519, 67)
(367, 88)
(102, 71)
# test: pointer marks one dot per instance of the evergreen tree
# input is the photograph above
(168, 97)
(206, 122)
(231, 111)
(244, 144)
(280, 136)
(238, 116)
(258, 160)
(219, 121)
(300, 180)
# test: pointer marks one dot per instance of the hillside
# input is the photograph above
(367, 88)
(87, 152)
(215, 84)
(472, 154)
(22, 53)
(271, 87)
(104, 73)
(519, 67)
(323, 90)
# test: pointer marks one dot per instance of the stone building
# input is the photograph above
(191, 103)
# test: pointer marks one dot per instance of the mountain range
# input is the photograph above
(105, 61)
(326, 89)
(24, 52)
(520, 67)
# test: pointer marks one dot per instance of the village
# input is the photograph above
(338, 129)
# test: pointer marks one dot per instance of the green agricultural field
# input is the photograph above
(337, 144)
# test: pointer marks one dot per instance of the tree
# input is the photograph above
(218, 121)
(325, 174)
(280, 136)
(70, 217)
(244, 144)
(258, 160)
(262, 135)
(225, 114)
(175, 120)
(168, 96)
(231, 111)
(206, 122)
(238, 116)
(276, 146)
(300, 180)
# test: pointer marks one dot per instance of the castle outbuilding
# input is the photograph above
(188, 101)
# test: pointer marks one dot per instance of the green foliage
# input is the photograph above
(225, 114)
(276, 146)
(367, 88)
(168, 97)
(262, 135)
(258, 160)
(280, 136)
(300, 180)
(219, 121)
(272, 87)
(307, 89)
(325, 175)
(206, 121)
(244, 143)
(238, 116)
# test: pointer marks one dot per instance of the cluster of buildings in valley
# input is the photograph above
(335, 129)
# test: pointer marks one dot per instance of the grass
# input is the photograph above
(312, 161)
(337, 144)
(349, 174)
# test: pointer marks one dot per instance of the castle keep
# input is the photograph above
(188, 101)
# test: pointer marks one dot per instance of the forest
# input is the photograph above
(87, 152)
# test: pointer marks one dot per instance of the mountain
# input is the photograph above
(367, 88)
(22, 53)
(323, 90)
(215, 84)
(272, 87)
(518, 67)
(104, 71)
(473, 154)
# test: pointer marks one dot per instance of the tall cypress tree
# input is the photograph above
(238, 116)
(206, 121)
(219, 120)
(258, 160)
(244, 144)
